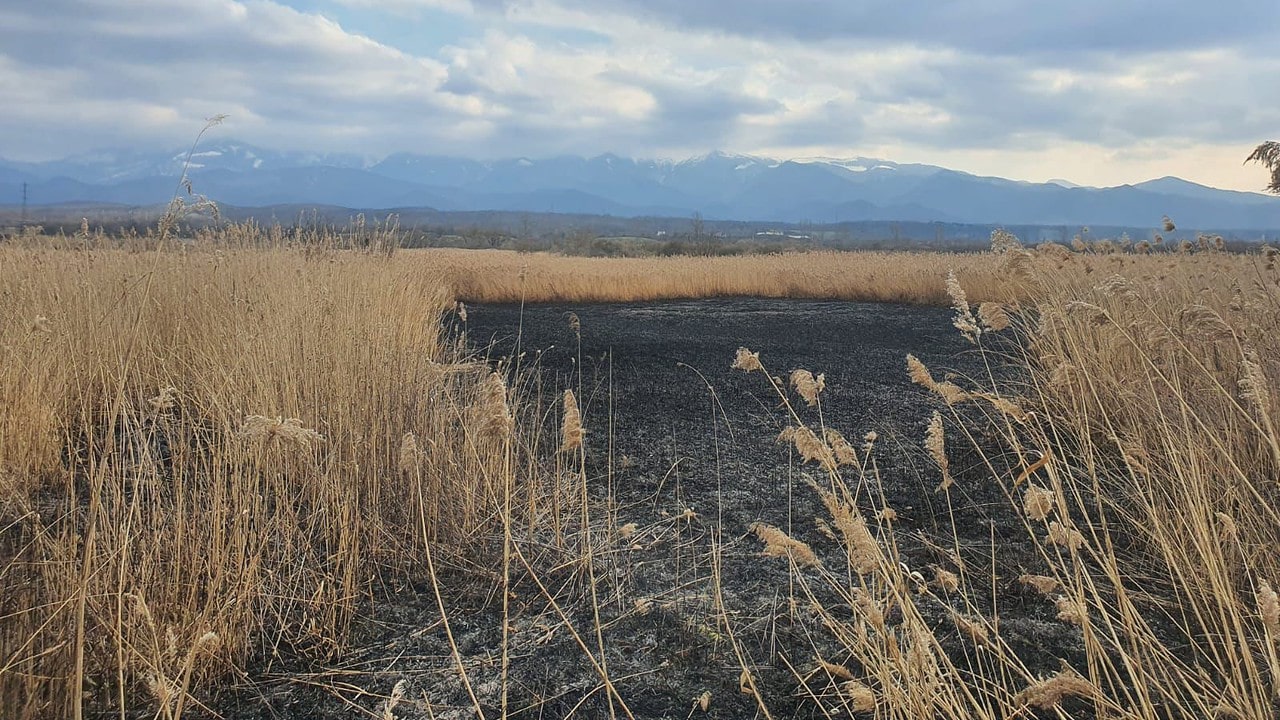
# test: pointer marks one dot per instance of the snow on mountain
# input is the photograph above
(717, 184)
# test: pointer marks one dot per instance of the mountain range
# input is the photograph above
(717, 186)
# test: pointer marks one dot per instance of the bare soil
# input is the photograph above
(685, 449)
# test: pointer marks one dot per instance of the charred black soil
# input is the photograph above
(681, 458)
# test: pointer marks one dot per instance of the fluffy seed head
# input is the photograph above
(278, 430)
(845, 454)
(1042, 584)
(868, 608)
(935, 443)
(779, 544)
(571, 430)
(946, 579)
(164, 401)
(1008, 407)
(994, 317)
(861, 698)
(974, 628)
(1254, 389)
(1227, 529)
(1003, 241)
(964, 320)
(1269, 607)
(747, 361)
(860, 544)
(807, 386)
(919, 372)
(812, 448)
(1066, 537)
(1038, 502)
(1069, 610)
(410, 456)
(1051, 691)
(497, 421)
(835, 670)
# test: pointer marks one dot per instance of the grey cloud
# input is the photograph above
(282, 76)
(81, 74)
(836, 122)
(983, 26)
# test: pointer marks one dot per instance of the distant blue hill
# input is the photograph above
(717, 185)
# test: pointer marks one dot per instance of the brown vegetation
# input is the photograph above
(210, 452)
(205, 455)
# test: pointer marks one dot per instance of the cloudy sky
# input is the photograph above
(1100, 92)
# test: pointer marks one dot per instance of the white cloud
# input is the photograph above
(661, 78)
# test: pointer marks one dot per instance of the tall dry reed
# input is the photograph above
(213, 456)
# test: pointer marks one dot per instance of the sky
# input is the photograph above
(1098, 92)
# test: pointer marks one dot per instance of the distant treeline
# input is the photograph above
(605, 235)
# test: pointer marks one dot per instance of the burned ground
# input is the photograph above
(682, 458)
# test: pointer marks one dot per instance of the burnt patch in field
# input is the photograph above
(682, 458)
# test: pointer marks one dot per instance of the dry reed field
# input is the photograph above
(214, 452)
(508, 276)
(210, 455)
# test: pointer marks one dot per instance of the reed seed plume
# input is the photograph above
(807, 386)
(1069, 538)
(1228, 531)
(571, 430)
(835, 670)
(1052, 691)
(1042, 584)
(861, 698)
(867, 608)
(1254, 388)
(747, 361)
(919, 373)
(812, 448)
(1269, 608)
(935, 443)
(863, 550)
(947, 390)
(946, 579)
(973, 628)
(963, 320)
(994, 316)
(267, 430)
(410, 455)
(1007, 407)
(1038, 502)
(779, 544)
(1069, 610)
(1119, 286)
(844, 452)
(497, 421)
(1201, 322)
(1003, 241)
(164, 401)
